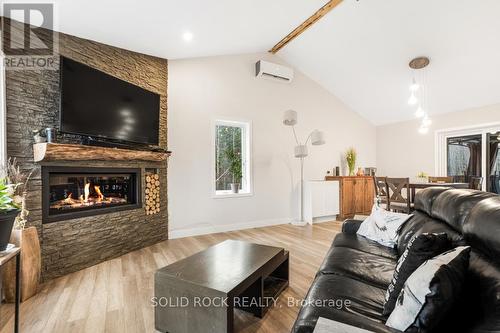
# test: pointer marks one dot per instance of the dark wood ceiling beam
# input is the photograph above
(306, 24)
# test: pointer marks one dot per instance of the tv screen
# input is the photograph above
(99, 105)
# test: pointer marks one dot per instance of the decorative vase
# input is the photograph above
(27, 240)
(351, 170)
(6, 223)
(235, 188)
(360, 172)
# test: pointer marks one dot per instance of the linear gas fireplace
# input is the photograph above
(70, 192)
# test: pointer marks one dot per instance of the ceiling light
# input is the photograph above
(420, 113)
(412, 100)
(414, 86)
(426, 122)
(423, 130)
(187, 36)
(418, 67)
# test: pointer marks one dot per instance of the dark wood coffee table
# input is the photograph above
(199, 293)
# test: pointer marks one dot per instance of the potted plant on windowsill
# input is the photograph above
(24, 237)
(234, 159)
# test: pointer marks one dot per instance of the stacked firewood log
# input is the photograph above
(152, 198)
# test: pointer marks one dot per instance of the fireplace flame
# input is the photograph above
(100, 197)
(69, 200)
(82, 200)
(86, 191)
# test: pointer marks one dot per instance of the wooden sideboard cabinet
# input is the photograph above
(356, 195)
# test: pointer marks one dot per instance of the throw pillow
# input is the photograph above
(382, 226)
(430, 292)
(420, 248)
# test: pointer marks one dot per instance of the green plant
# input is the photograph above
(7, 192)
(422, 175)
(350, 157)
(18, 179)
(235, 169)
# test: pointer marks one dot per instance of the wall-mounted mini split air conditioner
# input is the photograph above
(266, 69)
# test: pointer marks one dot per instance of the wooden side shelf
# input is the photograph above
(49, 152)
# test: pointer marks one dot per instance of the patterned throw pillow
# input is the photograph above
(382, 226)
(430, 292)
(420, 248)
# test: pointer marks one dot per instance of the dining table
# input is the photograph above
(414, 186)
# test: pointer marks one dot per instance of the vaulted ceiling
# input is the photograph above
(359, 51)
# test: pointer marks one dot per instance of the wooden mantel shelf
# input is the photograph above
(49, 152)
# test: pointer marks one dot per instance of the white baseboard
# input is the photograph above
(212, 229)
(323, 219)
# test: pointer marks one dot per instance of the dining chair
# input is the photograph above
(440, 179)
(459, 179)
(381, 191)
(476, 183)
(399, 194)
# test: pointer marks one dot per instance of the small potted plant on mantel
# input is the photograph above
(234, 169)
(25, 238)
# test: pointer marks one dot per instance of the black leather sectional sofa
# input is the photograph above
(359, 270)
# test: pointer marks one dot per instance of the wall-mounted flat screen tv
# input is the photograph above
(99, 105)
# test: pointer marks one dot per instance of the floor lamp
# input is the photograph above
(317, 138)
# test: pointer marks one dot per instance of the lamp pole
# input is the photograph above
(302, 190)
(317, 139)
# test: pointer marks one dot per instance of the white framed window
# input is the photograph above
(231, 158)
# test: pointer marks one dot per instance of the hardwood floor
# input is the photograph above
(114, 296)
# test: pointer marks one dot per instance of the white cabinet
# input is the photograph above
(321, 199)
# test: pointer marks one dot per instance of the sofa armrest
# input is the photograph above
(351, 226)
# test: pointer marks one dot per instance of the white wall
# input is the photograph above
(403, 152)
(200, 90)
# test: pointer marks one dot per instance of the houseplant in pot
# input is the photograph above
(24, 237)
(8, 211)
(234, 159)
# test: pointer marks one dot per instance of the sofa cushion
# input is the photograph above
(423, 223)
(430, 292)
(482, 229)
(364, 244)
(368, 268)
(454, 206)
(361, 303)
(420, 248)
(424, 199)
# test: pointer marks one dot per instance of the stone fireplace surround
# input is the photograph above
(73, 244)
(32, 103)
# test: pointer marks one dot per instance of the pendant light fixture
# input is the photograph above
(419, 92)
